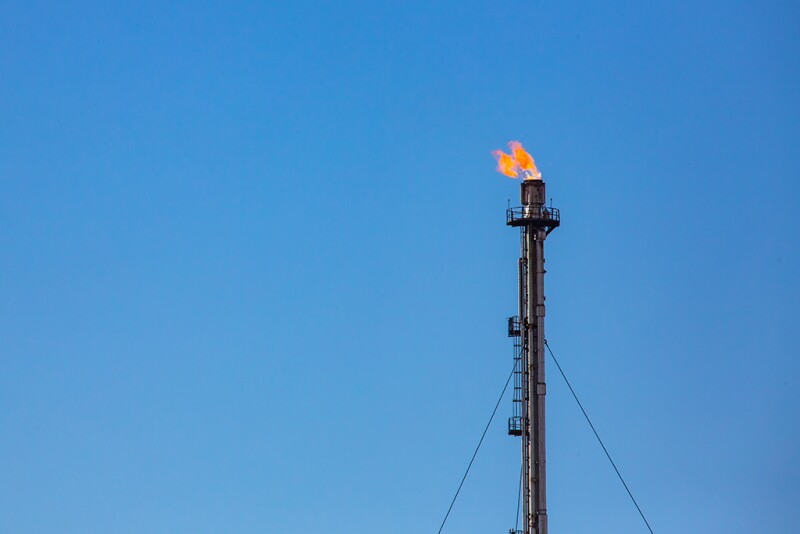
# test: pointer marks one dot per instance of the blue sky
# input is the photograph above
(255, 270)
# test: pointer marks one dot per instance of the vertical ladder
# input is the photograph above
(515, 421)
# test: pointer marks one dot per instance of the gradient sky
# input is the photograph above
(255, 269)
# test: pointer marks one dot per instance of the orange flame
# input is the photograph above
(505, 163)
(518, 161)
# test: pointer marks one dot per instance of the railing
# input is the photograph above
(545, 214)
(515, 426)
(513, 326)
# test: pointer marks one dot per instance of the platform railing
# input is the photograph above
(536, 213)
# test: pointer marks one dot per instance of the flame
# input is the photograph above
(505, 163)
(518, 161)
(525, 160)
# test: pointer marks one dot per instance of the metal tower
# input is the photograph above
(535, 221)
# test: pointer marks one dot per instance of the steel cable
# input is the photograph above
(564, 376)
(502, 394)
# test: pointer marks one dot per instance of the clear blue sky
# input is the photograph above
(255, 271)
